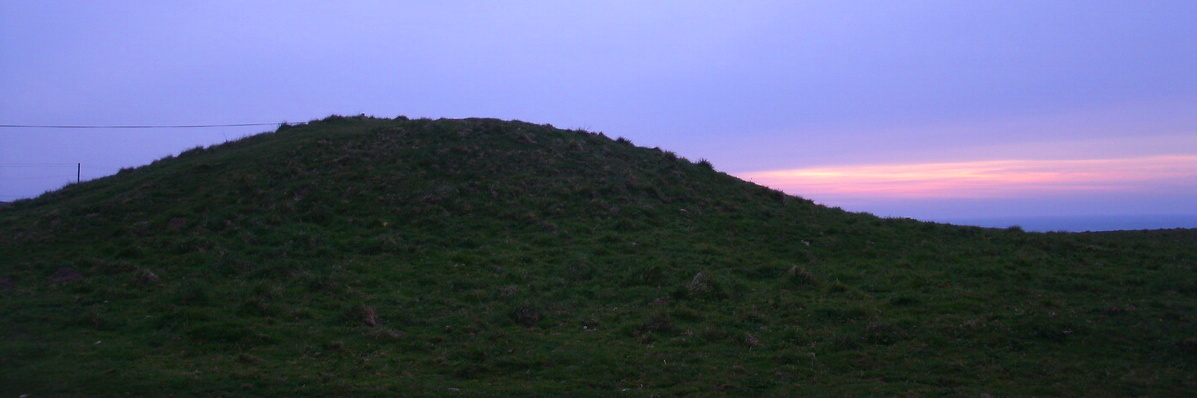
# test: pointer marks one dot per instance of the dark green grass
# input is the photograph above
(362, 256)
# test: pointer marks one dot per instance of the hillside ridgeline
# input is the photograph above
(364, 256)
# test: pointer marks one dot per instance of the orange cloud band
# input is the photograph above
(983, 179)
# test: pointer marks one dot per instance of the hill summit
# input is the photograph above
(365, 256)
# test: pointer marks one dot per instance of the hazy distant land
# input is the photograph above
(1081, 223)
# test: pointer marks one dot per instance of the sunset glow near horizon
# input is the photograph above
(986, 179)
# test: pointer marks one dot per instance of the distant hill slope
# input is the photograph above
(478, 257)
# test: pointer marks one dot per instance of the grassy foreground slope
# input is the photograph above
(479, 257)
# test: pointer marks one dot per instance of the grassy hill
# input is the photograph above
(478, 257)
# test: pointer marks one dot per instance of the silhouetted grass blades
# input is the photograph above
(364, 256)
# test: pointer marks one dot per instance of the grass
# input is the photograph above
(378, 257)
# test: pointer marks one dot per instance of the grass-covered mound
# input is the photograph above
(361, 256)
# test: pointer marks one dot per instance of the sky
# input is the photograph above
(936, 110)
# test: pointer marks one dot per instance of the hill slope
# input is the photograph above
(481, 257)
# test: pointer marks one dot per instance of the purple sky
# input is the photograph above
(1089, 107)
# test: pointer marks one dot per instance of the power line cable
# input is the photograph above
(37, 177)
(36, 164)
(178, 126)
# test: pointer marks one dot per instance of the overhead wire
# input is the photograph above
(132, 126)
(81, 126)
(37, 164)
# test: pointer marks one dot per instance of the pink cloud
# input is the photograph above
(984, 179)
